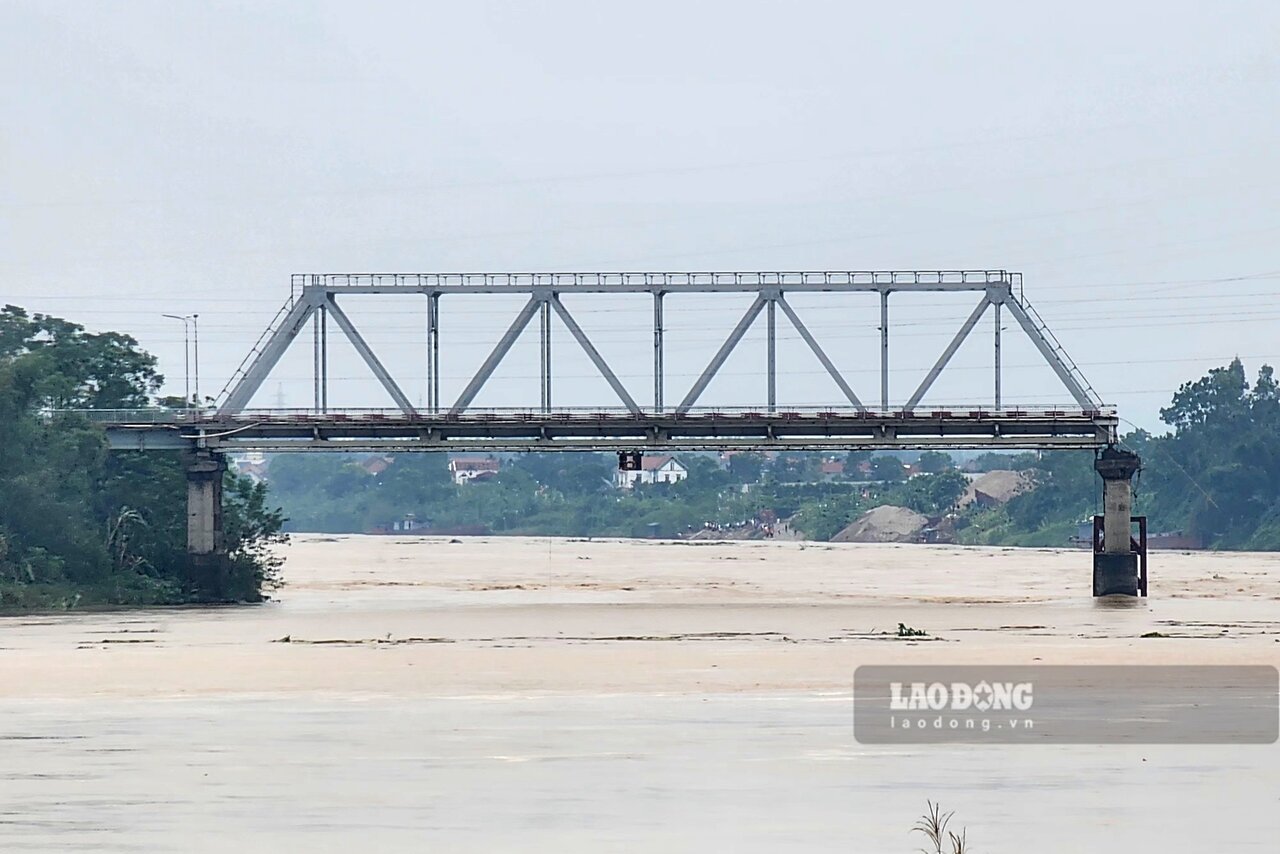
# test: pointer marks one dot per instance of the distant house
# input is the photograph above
(408, 524)
(657, 469)
(467, 469)
(375, 465)
(252, 465)
(831, 469)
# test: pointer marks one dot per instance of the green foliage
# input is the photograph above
(930, 494)
(933, 462)
(823, 519)
(746, 467)
(853, 462)
(1217, 475)
(887, 469)
(994, 461)
(79, 525)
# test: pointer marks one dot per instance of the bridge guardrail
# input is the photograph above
(160, 416)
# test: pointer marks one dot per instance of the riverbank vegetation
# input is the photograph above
(81, 526)
(571, 494)
(1214, 476)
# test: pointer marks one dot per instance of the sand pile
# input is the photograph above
(887, 524)
(996, 487)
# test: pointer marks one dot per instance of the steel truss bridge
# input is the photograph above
(628, 425)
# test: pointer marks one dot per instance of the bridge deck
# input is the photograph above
(597, 430)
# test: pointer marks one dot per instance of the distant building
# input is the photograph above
(831, 469)
(376, 464)
(467, 469)
(252, 465)
(410, 523)
(656, 469)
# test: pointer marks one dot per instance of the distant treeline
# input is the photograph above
(572, 494)
(1215, 476)
(79, 525)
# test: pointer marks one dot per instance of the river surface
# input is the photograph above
(487, 694)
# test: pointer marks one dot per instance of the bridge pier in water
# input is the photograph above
(206, 541)
(1115, 566)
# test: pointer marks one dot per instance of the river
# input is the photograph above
(521, 694)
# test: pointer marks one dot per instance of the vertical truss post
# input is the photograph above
(773, 353)
(324, 359)
(997, 359)
(657, 351)
(545, 320)
(315, 358)
(884, 350)
(433, 353)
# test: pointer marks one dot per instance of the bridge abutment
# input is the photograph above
(206, 541)
(1115, 567)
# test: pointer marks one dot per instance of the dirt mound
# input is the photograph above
(887, 524)
(996, 487)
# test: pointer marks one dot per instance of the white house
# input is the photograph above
(465, 469)
(660, 469)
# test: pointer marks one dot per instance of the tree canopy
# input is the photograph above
(79, 524)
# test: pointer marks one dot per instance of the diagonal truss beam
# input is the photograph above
(1050, 355)
(349, 329)
(818, 351)
(592, 353)
(753, 311)
(500, 351)
(257, 372)
(959, 338)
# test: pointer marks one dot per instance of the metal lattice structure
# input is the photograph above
(314, 300)
(849, 424)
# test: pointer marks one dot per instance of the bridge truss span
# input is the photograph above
(314, 301)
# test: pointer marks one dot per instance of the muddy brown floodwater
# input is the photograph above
(504, 694)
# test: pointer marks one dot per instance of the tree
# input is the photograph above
(78, 523)
(932, 462)
(1221, 396)
(795, 467)
(853, 464)
(887, 469)
(746, 467)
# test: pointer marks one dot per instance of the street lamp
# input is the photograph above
(190, 334)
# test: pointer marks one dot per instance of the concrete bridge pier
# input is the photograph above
(206, 542)
(1115, 567)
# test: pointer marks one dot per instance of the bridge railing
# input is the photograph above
(644, 280)
(955, 412)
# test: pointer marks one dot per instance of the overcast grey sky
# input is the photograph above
(172, 157)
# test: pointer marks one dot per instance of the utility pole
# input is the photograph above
(186, 356)
(195, 340)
